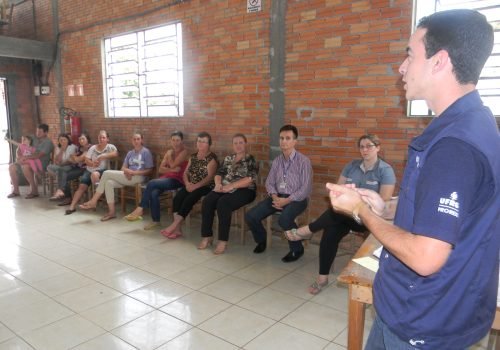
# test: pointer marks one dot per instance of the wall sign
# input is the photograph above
(254, 5)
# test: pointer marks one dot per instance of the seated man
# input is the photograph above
(43, 149)
(288, 185)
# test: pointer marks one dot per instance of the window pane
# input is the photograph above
(143, 73)
(489, 82)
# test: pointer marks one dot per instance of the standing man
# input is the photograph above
(437, 283)
(288, 186)
(44, 148)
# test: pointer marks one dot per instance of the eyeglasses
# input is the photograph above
(368, 147)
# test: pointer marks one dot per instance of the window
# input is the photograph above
(143, 73)
(489, 82)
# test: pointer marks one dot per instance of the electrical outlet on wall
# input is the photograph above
(45, 90)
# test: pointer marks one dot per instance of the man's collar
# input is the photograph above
(449, 116)
(292, 155)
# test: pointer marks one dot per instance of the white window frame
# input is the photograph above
(489, 81)
(143, 73)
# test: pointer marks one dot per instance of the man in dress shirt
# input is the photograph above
(288, 186)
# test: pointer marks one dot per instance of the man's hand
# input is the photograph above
(373, 199)
(280, 202)
(343, 198)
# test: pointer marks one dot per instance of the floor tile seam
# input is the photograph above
(279, 320)
(315, 335)
(24, 333)
(96, 325)
(258, 335)
(328, 306)
(11, 330)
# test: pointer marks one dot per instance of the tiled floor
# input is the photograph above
(73, 282)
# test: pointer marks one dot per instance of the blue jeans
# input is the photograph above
(151, 195)
(72, 174)
(286, 221)
(382, 338)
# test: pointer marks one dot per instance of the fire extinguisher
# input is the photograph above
(72, 123)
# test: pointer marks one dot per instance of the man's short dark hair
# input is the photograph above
(290, 127)
(467, 37)
(43, 127)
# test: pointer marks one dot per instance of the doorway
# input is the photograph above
(5, 149)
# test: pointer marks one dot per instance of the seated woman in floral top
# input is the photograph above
(198, 181)
(234, 188)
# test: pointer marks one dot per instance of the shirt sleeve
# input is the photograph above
(46, 147)
(347, 169)
(271, 187)
(305, 177)
(387, 176)
(90, 152)
(127, 159)
(148, 159)
(222, 169)
(451, 184)
(111, 148)
(253, 168)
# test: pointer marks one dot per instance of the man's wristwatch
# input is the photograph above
(355, 213)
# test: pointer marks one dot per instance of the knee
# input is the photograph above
(95, 176)
(249, 216)
(286, 223)
(223, 206)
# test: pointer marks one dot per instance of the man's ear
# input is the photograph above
(440, 61)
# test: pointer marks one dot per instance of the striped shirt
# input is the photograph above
(292, 176)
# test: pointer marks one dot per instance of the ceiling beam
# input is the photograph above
(25, 48)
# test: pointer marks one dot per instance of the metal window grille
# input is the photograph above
(489, 81)
(143, 73)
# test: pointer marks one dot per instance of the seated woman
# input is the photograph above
(171, 169)
(62, 164)
(77, 170)
(198, 179)
(138, 164)
(370, 172)
(97, 160)
(234, 188)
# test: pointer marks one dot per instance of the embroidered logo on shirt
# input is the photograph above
(415, 342)
(450, 205)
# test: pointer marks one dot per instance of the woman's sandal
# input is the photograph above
(131, 217)
(57, 197)
(174, 235)
(108, 217)
(69, 211)
(166, 233)
(295, 235)
(316, 287)
(205, 242)
(220, 248)
(86, 206)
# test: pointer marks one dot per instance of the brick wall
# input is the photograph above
(341, 73)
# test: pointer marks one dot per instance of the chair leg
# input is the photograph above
(122, 199)
(241, 218)
(269, 231)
